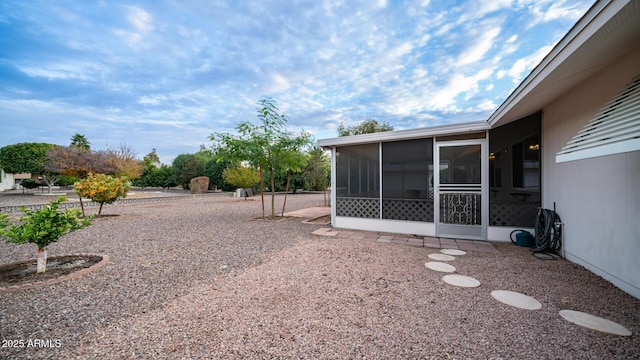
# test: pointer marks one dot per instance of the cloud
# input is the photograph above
(526, 64)
(177, 71)
(142, 24)
(141, 20)
(546, 11)
(481, 46)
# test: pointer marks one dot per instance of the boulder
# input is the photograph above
(199, 185)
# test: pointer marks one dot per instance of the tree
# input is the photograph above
(101, 188)
(214, 169)
(368, 126)
(149, 164)
(28, 158)
(152, 157)
(76, 161)
(186, 167)
(80, 141)
(268, 146)
(241, 176)
(42, 227)
(317, 169)
(123, 162)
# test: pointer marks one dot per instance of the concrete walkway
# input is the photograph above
(411, 240)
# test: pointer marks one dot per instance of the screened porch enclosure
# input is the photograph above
(457, 185)
(407, 189)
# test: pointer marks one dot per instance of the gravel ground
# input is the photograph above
(202, 278)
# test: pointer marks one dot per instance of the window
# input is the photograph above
(526, 163)
(357, 173)
(358, 181)
(407, 180)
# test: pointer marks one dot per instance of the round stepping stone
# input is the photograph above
(438, 266)
(595, 322)
(516, 299)
(461, 280)
(441, 257)
(453, 252)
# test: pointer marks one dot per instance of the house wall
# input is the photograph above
(598, 199)
(6, 181)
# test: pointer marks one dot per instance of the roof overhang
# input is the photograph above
(609, 29)
(442, 130)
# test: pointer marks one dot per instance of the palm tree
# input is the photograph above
(80, 141)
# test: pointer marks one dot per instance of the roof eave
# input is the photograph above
(451, 129)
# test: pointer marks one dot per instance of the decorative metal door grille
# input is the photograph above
(358, 207)
(460, 209)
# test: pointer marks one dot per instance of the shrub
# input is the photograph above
(101, 188)
(42, 227)
(66, 180)
(242, 177)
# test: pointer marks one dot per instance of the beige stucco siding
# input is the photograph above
(598, 199)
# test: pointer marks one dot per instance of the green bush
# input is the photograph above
(42, 227)
(242, 177)
(66, 180)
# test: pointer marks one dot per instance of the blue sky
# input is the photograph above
(167, 74)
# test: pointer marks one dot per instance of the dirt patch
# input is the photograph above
(23, 273)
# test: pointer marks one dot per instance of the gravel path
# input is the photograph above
(203, 278)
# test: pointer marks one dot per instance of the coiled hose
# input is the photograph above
(548, 237)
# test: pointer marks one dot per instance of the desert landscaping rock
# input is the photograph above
(441, 267)
(461, 281)
(595, 323)
(289, 294)
(516, 299)
(441, 257)
(199, 185)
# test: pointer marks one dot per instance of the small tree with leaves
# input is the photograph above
(266, 146)
(42, 227)
(101, 188)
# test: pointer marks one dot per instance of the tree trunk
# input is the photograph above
(261, 187)
(82, 206)
(273, 193)
(286, 191)
(100, 209)
(42, 261)
(49, 184)
(324, 188)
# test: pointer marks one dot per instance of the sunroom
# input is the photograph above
(464, 181)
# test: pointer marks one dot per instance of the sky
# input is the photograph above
(166, 74)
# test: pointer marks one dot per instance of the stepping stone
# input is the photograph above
(441, 257)
(595, 322)
(461, 281)
(438, 266)
(516, 299)
(453, 252)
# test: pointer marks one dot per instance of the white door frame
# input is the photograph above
(463, 231)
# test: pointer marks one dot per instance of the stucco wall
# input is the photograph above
(598, 199)
(6, 181)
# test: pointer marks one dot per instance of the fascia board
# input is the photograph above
(452, 129)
